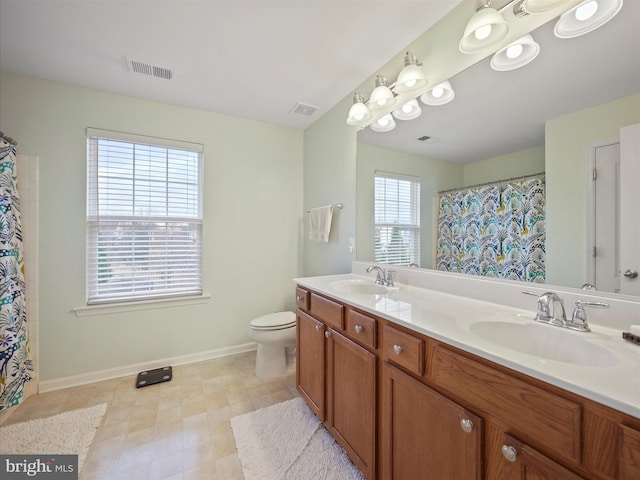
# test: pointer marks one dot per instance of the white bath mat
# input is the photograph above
(66, 433)
(287, 442)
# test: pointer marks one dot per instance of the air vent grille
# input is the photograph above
(303, 109)
(147, 68)
(424, 138)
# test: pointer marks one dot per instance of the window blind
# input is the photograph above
(396, 218)
(144, 217)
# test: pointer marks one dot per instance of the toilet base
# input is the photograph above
(271, 361)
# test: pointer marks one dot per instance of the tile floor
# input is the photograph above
(177, 430)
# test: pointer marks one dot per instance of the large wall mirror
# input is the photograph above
(552, 116)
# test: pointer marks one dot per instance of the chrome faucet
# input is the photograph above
(382, 277)
(551, 311)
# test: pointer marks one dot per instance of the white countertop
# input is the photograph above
(459, 321)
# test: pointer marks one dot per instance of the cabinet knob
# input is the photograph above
(397, 349)
(318, 328)
(327, 334)
(358, 329)
(509, 453)
(466, 424)
(298, 298)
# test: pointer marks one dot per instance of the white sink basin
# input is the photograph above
(545, 342)
(364, 287)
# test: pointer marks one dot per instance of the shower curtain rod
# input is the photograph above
(495, 182)
(8, 139)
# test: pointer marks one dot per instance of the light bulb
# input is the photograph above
(437, 92)
(407, 107)
(514, 51)
(383, 121)
(483, 32)
(358, 116)
(586, 10)
(410, 83)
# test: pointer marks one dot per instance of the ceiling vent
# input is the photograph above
(303, 109)
(424, 138)
(146, 68)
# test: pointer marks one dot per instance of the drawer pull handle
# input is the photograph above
(298, 298)
(466, 424)
(318, 328)
(358, 329)
(327, 334)
(397, 349)
(509, 453)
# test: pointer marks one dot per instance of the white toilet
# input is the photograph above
(273, 333)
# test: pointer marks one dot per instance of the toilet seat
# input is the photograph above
(274, 321)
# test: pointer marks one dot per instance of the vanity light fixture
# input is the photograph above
(484, 31)
(586, 17)
(438, 95)
(408, 111)
(386, 123)
(382, 96)
(540, 6)
(411, 78)
(515, 55)
(359, 113)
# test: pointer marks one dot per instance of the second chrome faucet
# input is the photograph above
(551, 311)
(386, 278)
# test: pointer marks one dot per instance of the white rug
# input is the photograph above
(66, 433)
(287, 441)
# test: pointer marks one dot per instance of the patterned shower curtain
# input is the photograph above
(15, 365)
(495, 231)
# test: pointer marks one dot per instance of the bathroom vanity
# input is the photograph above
(418, 384)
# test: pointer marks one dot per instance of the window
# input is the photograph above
(397, 219)
(144, 217)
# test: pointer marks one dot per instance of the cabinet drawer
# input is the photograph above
(403, 349)
(538, 416)
(302, 299)
(361, 328)
(328, 311)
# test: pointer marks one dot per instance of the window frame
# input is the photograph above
(411, 229)
(191, 223)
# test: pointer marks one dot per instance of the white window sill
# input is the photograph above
(90, 310)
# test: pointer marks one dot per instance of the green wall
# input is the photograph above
(252, 244)
(567, 140)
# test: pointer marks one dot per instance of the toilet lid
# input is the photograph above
(274, 321)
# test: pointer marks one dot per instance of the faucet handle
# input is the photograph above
(390, 278)
(579, 317)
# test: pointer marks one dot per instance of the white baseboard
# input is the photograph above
(111, 373)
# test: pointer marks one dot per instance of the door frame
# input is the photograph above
(590, 164)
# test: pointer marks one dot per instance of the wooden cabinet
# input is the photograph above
(351, 399)
(426, 435)
(310, 362)
(629, 454)
(338, 377)
(405, 406)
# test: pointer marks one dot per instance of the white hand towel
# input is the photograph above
(320, 220)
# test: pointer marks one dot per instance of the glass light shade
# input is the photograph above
(359, 113)
(411, 78)
(484, 31)
(438, 95)
(408, 111)
(515, 55)
(382, 96)
(386, 123)
(540, 6)
(585, 17)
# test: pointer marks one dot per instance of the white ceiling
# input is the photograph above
(251, 59)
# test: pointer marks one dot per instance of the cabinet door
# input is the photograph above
(351, 399)
(426, 435)
(310, 362)
(529, 464)
(629, 461)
